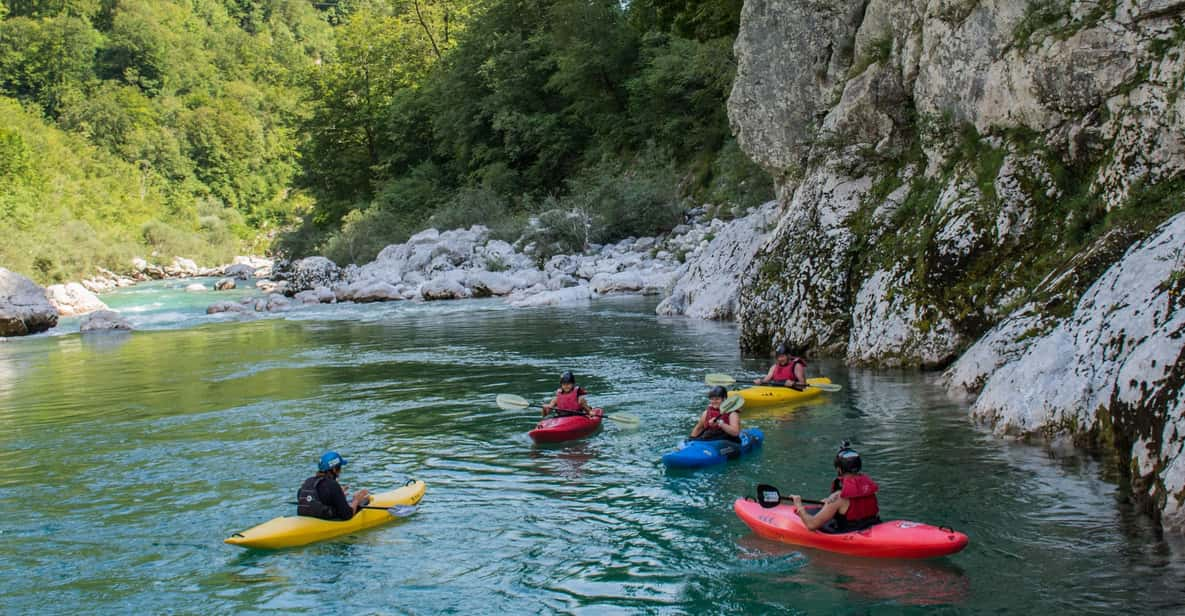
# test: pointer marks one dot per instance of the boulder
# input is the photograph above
(104, 320)
(310, 273)
(185, 267)
(443, 288)
(226, 284)
(196, 287)
(218, 307)
(241, 271)
(320, 295)
(278, 303)
(371, 291)
(24, 307)
(571, 295)
(139, 264)
(72, 299)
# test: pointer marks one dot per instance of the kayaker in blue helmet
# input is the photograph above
(714, 424)
(787, 370)
(321, 496)
(569, 399)
(852, 504)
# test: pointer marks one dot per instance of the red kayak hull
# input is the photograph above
(560, 429)
(892, 539)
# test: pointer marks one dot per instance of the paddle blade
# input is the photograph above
(402, 511)
(715, 378)
(512, 402)
(832, 387)
(732, 403)
(622, 418)
(768, 496)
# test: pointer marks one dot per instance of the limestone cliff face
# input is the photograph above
(955, 171)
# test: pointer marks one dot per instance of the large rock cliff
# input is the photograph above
(956, 171)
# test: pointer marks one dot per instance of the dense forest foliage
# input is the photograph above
(203, 128)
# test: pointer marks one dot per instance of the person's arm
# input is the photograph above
(334, 495)
(584, 406)
(814, 522)
(768, 377)
(700, 426)
(547, 406)
(800, 373)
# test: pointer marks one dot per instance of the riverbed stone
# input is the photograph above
(24, 307)
(104, 320)
(225, 284)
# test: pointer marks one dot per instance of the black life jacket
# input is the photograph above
(308, 501)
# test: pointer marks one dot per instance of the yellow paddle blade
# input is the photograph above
(732, 403)
(512, 402)
(715, 378)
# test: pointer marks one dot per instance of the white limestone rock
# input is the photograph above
(542, 297)
(196, 287)
(72, 299)
(707, 287)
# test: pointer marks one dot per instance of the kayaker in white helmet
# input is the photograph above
(321, 496)
(787, 370)
(715, 424)
(569, 399)
(852, 504)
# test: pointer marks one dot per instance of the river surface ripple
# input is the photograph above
(128, 458)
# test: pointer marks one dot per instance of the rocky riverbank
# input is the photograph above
(991, 171)
(695, 265)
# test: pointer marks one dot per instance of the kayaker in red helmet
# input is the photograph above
(569, 399)
(714, 424)
(852, 504)
(787, 370)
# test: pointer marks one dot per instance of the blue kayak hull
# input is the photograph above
(698, 454)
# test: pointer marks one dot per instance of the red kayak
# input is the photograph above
(893, 539)
(559, 429)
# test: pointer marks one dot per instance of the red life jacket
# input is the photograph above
(568, 401)
(714, 412)
(786, 373)
(861, 494)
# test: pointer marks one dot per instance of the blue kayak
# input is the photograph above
(698, 454)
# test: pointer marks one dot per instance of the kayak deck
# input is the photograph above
(571, 427)
(759, 395)
(293, 531)
(698, 454)
(892, 539)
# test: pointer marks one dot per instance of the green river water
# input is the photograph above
(129, 458)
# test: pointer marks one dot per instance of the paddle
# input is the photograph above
(768, 497)
(716, 378)
(512, 402)
(396, 511)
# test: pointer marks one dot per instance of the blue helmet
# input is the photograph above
(330, 460)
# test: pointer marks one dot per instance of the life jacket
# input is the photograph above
(786, 373)
(570, 401)
(308, 501)
(863, 510)
(711, 434)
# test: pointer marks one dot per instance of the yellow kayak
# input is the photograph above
(759, 395)
(292, 531)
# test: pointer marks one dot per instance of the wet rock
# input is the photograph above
(196, 287)
(225, 284)
(104, 320)
(24, 307)
(310, 273)
(218, 307)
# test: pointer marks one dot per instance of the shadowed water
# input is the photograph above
(130, 457)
